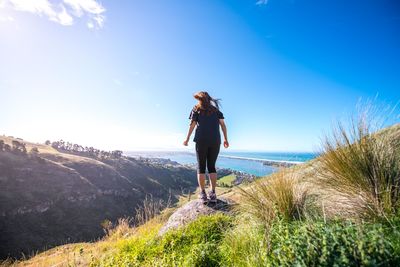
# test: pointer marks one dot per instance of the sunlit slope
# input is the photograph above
(52, 197)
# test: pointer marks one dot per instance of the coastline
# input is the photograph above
(259, 164)
(268, 162)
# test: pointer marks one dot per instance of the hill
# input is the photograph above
(52, 196)
(290, 218)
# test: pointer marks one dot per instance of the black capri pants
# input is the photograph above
(207, 155)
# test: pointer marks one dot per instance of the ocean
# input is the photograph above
(248, 162)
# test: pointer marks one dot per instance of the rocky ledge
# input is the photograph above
(192, 210)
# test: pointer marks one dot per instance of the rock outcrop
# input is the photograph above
(190, 211)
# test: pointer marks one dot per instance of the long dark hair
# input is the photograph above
(206, 104)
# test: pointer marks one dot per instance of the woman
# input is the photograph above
(207, 117)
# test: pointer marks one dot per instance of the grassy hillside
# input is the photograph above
(227, 180)
(291, 218)
(50, 197)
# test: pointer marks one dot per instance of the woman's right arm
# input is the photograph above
(225, 132)
(191, 127)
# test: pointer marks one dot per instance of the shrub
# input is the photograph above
(18, 146)
(273, 197)
(332, 244)
(307, 243)
(362, 164)
(122, 228)
(149, 209)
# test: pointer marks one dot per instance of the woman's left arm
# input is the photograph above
(225, 132)
(191, 128)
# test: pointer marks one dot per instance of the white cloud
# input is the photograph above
(262, 2)
(61, 11)
(40, 7)
(81, 6)
(90, 25)
(64, 18)
(90, 7)
(6, 19)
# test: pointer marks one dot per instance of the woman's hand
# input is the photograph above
(224, 130)
(226, 144)
(191, 127)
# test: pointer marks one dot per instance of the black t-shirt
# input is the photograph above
(207, 130)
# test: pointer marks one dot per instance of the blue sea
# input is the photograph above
(249, 162)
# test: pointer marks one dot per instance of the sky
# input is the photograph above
(122, 74)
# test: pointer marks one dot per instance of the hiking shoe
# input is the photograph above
(203, 197)
(212, 196)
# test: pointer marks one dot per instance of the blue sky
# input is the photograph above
(121, 74)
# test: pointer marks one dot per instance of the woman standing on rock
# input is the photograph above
(207, 117)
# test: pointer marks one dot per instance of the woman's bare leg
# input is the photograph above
(201, 179)
(213, 180)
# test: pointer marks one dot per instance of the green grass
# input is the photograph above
(362, 164)
(193, 245)
(220, 240)
(312, 243)
(226, 180)
(275, 197)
